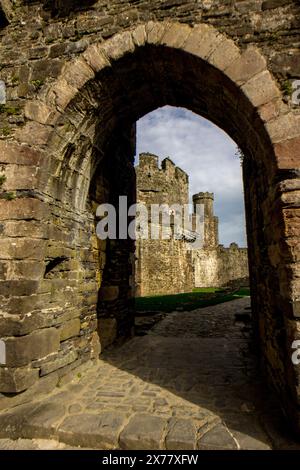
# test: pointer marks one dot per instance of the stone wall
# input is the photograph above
(162, 266)
(166, 185)
(79, 73)
(221, 267)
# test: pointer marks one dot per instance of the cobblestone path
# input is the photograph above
(192, 382)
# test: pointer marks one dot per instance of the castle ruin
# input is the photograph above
(171, 266)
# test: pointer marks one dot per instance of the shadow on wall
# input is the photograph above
(61, 8)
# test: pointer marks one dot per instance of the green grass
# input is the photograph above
(244, 292)
(206, 290)
(197, 299)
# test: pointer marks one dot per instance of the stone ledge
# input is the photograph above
(17, 380)
(21, 350)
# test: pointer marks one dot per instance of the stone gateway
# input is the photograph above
(78, 75)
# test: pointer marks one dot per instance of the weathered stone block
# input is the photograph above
(182, 435)
(93, 23)
(4, 266)
(38, 52)
(60, 361)
(19, 154)
(62, 290)
(18, 287)
(20, 305)
(23, 208)
(270, 4)
(99, 430)
(22, 228)
(261, 89)
(118, 45)
(32, 421)
(91, 299)
(8, 9)
(25, 270)
(60, 94)
(218, 438)
(40, 112)
(59, 250)
(95, 57)
(64, 312)
(20, 248)
(176, 35)
(291, 198)
(288, 153)
(52, 31)
(203, 41)
(107, 330)
(143, 431)
(155, 31)
(17, 380)
(21, 350)
(250, 63)
(272, 110)
(285, 127)
(45, 68)
(33, 133)
(77, 73)
(20, 325)
(20, 177)
(69, 329)
(43, 386)
(108, 293)
(226, 53)
(139, 35)
(95, 346)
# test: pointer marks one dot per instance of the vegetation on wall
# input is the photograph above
(5, 194)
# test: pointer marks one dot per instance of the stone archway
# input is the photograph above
(81, 124)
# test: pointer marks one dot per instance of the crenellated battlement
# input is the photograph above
(159, 184)
(203, 195)
(147, 159)
(171, 171)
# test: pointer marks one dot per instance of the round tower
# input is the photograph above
(207, 199)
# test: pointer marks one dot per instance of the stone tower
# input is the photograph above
(162, 266)
(211, 222)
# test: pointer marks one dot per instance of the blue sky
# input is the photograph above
(207, 154)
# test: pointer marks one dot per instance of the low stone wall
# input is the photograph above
(220, 266)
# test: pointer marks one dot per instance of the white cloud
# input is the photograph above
(207, 154)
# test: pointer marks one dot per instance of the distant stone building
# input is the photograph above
(171, 266)
(214, 265)
(162, 266)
